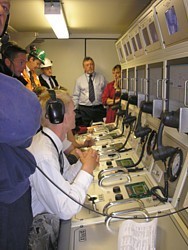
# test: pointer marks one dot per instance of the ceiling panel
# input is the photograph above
(83, 16)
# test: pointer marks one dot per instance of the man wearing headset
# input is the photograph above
(17, 164)
(58, 117)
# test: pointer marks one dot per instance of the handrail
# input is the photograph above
(108, 176)
(103, 171)
(185, 94)
(129, 211)
(158, 81)
(164, 83)
(120, 202)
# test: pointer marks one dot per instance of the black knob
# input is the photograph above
(108, 163)
(116, 189)
(118, 197)
(103, 146)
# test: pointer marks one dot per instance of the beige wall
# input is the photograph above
(67, 56)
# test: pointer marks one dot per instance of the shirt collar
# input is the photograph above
(27, 70)
(45, 77)
(54, 137)
(93, 74)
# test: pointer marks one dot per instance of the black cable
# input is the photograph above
(124, 144)
(164, 190)
(107, 215)
(151, 217)
(120, 135)
(141, 155)
(70, 197)
(102, 214)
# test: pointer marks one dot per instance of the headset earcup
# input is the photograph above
(55, 111)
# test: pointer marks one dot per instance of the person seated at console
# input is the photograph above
(47, 147)
(70, 142)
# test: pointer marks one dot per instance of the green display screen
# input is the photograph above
(117, 146)
(127, 162)
(138, 190)
(113, 135)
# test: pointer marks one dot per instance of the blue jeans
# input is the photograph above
(15, 222)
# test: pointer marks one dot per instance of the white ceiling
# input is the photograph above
(84, 17)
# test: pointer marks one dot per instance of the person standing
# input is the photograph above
(87, 95)
(46, 78)
(111, 94)
(19, 120)
(13, 61)
(36, 57)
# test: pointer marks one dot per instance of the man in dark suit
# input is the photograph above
(46, 78)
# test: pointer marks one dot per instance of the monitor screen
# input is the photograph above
(129, 48)
(153, 32)
(127, 162)
(139, 189)
(138, 41)
(120, 53)
(146, 36)
(134, 44)
(126, 50)
(171, 20)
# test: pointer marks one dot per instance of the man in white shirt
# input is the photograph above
(58, 118)
(88, 98)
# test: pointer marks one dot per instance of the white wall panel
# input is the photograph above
(67, 57)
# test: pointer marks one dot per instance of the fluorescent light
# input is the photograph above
(54, 14)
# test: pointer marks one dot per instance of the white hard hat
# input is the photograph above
(47, 63)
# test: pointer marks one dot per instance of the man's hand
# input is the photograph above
(89, 159)
(89, 141)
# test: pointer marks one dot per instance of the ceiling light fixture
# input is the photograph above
(55, 16)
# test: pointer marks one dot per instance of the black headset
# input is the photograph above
(55, 108)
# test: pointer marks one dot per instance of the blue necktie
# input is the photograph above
(91, 89)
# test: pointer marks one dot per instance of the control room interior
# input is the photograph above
(146, 148)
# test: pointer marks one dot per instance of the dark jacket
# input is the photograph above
(5, 70)
(45, 84)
